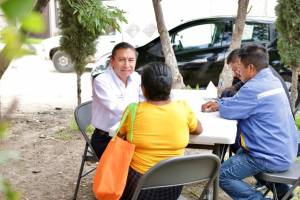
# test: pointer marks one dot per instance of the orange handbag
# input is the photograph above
(112, 170)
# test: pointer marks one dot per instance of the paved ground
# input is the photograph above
(36, 84)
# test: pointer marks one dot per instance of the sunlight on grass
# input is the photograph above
(298, 121)
(73, 127)
(63, 135)
(297, 193)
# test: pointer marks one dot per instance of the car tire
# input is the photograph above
(62, 62)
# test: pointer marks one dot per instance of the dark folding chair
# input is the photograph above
(83, 119)
(182, 171)
(290, 177)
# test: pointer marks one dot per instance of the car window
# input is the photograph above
(197, 37)
(255, 32)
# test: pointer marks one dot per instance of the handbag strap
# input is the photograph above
(130, 108)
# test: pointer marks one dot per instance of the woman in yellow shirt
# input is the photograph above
(161, 130)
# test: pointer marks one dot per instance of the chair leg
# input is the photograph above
(80, 172)
(266, 192)
(275, 197)
(230, 151)
(286, 196)
(207, 194)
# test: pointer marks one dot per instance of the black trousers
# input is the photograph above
(168, 193)
(100, 140)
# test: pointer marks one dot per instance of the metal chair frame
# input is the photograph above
(182, 171)
(83, 118)
(290, 177)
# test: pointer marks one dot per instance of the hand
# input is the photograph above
(210, 106)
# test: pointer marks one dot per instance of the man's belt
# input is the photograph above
(100, 132)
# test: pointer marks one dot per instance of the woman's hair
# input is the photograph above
(157, 81)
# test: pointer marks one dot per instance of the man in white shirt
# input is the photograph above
(113, 90)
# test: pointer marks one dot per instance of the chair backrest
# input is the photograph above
(83, 117)
(180, 171)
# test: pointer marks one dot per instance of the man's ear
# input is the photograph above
(252, 69)
(110, 61)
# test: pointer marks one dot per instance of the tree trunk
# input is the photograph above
(78, 88)
(40, 5)
(225, 79)
(4, 61)
(168, 51)
(294, 87)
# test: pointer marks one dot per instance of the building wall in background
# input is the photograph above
(141, 25)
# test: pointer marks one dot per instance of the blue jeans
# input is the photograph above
(232, 173)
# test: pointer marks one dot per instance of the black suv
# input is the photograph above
(201, 46)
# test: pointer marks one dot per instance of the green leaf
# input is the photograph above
(17, 9)
(34, 23)
(13, 39)
(1, 1)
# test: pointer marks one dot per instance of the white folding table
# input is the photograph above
(217, 131)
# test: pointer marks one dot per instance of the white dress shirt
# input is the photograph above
(111, 97)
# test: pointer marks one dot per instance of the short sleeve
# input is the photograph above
(191, 117)
(124, 127)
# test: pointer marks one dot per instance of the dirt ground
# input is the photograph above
(49, 157)
(49, 150)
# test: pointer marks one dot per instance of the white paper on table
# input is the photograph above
(211, 91)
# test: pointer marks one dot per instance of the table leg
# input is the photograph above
(220, 151)
(216, 188)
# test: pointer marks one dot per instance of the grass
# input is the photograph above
(298, 121)
(73, 127)
(67, 133)
(63, 135)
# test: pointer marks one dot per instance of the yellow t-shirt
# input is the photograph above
(159, 132)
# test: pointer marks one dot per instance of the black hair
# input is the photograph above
(122, 45)
(157, 81)
(254, 54)
(233, 56)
